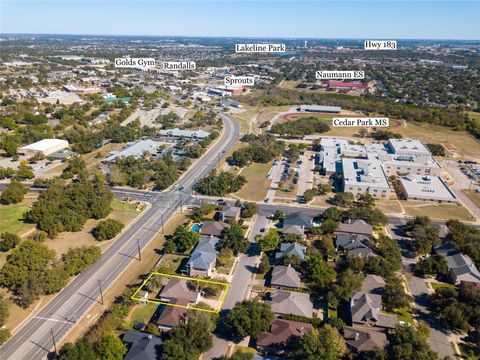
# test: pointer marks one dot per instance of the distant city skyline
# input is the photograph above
(442, 20)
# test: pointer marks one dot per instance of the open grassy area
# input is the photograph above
(245, 119)
(171, 262)
(440, 211)
(257, 184)
(474, 196)
(403, 314)
(389, 206)
(11, 217)
(436, 285)
(141, 313)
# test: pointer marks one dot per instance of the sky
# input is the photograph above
(387, 19)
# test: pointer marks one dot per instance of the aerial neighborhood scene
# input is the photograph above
(244, 180)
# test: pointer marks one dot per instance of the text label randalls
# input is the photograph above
(380, 45)
(338, 75)
(260, 48)
(358, 122)
(179, 65)
(239, 80)
(137, 63)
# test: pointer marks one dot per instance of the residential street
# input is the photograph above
(239, 285)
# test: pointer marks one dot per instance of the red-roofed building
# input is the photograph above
(341, 85)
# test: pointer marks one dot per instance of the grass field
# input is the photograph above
(436, 285)
(403, 314)
(141, 313)
(257, 185)
(389, 206)
(440, 212)
(170, 262)
(11, 217)
(474, 196)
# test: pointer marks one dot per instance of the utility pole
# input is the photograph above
(138, 248)
(163, 223)
(54, 343)
(101, 292)
(181, 203)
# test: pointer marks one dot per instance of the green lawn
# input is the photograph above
(172, 262)
(436, 286)
(257, 184)
(403, 314)
(332, 312)
(440, 211)
(474, 196)
(118, 205)
(143, 313)
(11, 217)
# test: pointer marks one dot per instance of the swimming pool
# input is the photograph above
(196, 227)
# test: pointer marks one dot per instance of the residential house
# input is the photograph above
(142, 346)
(297, 219)
(177, 293)
(359, 227)
(291, 302)
(366, 305)
(231, 213)
(213, 228)
(364, 339)
(285, 276)
(289, 249)
(203, 258)
(354, 244)
(460, 267)
(282, 333)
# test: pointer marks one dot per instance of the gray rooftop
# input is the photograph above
(285, 276)
(136, 150)
(142, 346)
(288, 249)
(205, 253)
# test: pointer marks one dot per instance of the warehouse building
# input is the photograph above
(44, 147)
(59, 97)
(427, 188)
(319, 109)
(137, 150)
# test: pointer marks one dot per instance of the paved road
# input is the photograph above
(238, 286)
(33, 340)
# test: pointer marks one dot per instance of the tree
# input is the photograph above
(319, 271)
(3, 311)
(434, 265)
(78, 259)
(278, 215)
(111, 347)
(188, 341)
(25, 171)
(219, 184)
(81, 350)
(408, 343)
(269, 241)
(264, 265)
(238, 355)
(8, 241)
(394, 296)
(332, 213)
(325, 343)
(249, 209)
(107, 229)
(181, 240)
(4, 335)
(328, 226)
(347, 284)
(225, 257)
(249, 318)
(426, 236)
(13, 193)
(344, 199)
(366, 200)
(234, 239)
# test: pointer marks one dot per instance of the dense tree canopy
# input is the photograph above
(219, 184)
(249, 318)
(13, 193)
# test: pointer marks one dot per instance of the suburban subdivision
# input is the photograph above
(238, 197)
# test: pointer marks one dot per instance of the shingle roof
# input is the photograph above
(142, 346)
(349, 241)
(362, 339)
(173, 315)
(460, 265)
(281, 331)
(292, 250)
(356, 227)
(298, 219)
(213, 228)
(285, 276)
(231, 211)
(177, 289)
(291, 302)
(204, 254)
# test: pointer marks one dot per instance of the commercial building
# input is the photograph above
(59, 97)
(426, 188)
(44, 147)
(198, 134)
(365, 176)
(410, 164)
(341, 85)
(137, 150)
(319, 109)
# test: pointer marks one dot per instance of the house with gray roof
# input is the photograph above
(285, 276)
(289, 249)
(213, 228)
(364, 339)
(204, 256)
(460, 266)
(291, 302)
(298, 219)
(355, 227)
(231, 213)
(354, 244)
(366, 305)
(142, 346)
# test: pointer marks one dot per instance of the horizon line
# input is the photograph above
(242, 37)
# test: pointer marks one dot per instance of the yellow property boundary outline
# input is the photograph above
(226, 285)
